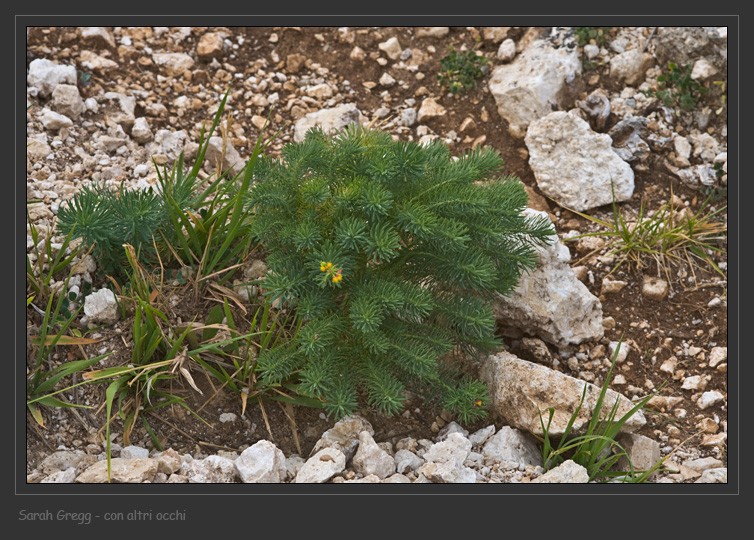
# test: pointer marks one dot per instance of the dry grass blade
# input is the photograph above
(289, 412)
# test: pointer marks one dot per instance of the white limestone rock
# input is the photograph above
(211, 470)
(122, 471)
(568, 472)
(344, 435)
(511, 444)
(101, 307)
(574, 165)
(174, 64)
(550, 302)
(538, 81)
(45, 75)
(630, 66)
(263, 462)
(66, 100)
(371, 459)
(520, 390)
(321, 467)
(329, 120)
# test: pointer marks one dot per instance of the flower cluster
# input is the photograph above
(335, 273)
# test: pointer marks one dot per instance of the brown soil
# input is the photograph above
(684, 317)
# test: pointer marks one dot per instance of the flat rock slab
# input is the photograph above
(520, 390)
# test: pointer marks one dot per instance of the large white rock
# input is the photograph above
(263, 462)
(329, 120)
(511, 444)
(370, 458)
(534, 84)
(101, 307)
(574, 165)
(45, 75)
(521, 390)
(568, 472)
(550, 302)
(322, 466)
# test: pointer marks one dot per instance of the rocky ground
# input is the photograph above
(104, 102)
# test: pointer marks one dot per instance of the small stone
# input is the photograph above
(703, 464)
(708, 425)
(387, 80)
(357, 53)
(140, 131)
(669, 365)
(610, 286)
(709, 399)
(227, 417)
(54, 121)
(432, 31)
(371, 459)
(507, 50)
(654, 288)
(430, 109)
(391, 47)
(622, 353)
(101, 307)
(717, 355)
(321, 467)
(134, 452)
(714, 476)
(262, 463)
(210, 45)
(696, 382)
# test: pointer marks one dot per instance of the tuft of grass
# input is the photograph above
(459, 70)
(597, 450)
(670, 236)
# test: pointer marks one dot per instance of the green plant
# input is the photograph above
(388, 251)
(201, 227)
(48, 261)
(585, 34)
(460, 70)
(669, 236)
(676, 89)
(596, 450)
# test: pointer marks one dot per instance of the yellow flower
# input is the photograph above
(328, 265)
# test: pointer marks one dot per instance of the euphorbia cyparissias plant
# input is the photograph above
(390, 251)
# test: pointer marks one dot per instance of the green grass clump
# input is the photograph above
(459, 70)
(670, 237)
(597, 449)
